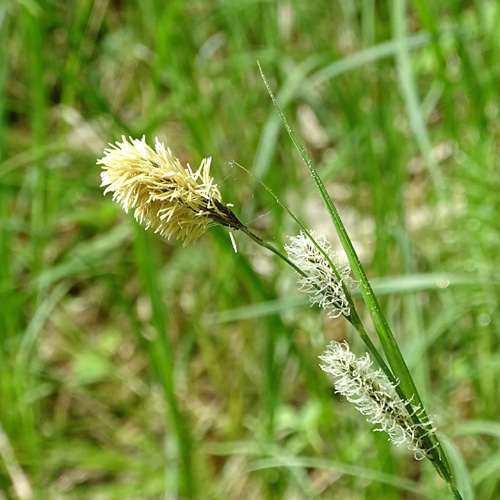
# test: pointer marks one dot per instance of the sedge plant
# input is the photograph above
(177, 201)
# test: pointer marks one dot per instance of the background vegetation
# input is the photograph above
(133, 368)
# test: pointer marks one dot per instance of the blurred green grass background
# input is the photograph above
(133, 368)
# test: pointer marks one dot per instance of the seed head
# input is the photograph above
(164, 194)
(321, 283)
(375, 397)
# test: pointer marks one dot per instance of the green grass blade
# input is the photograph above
(163, 361)
(410, 94)
(368, 55)
(384, 333)
(35, 35)
(461, 472)
(345, 469)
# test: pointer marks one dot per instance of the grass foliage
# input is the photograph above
(133, 368)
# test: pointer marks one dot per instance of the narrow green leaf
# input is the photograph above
(384, 333)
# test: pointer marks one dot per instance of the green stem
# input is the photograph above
(264, 244)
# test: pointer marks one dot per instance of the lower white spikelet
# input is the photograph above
(320, 282)
(375, 397)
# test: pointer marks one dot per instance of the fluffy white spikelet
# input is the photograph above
(321, 283)
(375, 397)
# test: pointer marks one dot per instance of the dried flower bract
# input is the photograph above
(165, 195)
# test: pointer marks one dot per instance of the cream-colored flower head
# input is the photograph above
(166, 196)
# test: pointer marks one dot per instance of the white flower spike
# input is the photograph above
(375, 397)
(321, 283)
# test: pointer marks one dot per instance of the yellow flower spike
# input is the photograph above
(165, 195)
